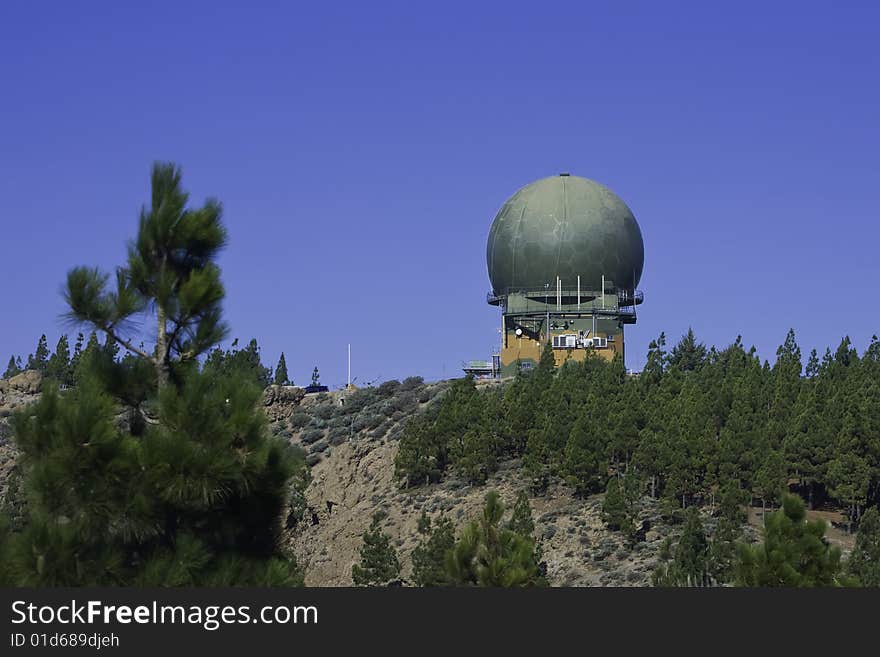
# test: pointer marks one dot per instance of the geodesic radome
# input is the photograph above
(564, 226)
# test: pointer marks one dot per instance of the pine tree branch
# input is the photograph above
(108, 329)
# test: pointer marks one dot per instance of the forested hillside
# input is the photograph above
(697, 427)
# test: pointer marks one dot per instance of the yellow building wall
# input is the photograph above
(524, 349)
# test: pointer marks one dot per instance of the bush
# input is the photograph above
(380, 431)
(411, 383)
(299, 420)
(311, 436)
(388, 388)
(318, 447)
(403, 403)
(324, 411)
(359, 400)
(338, 435)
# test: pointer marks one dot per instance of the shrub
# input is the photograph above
(324, 411)
(338, 435)
(388, 388)
(299, 419)
(411, 383)
(311, 436)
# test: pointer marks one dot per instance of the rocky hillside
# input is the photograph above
(350, 439)
(15, 393)
(352, 455)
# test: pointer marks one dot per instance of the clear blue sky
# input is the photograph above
(362, 149)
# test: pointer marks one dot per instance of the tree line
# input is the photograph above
(698, 428)
(62, 367)
(696, 425)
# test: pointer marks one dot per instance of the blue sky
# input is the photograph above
(361, 151)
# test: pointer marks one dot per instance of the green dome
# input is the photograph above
(564, 226)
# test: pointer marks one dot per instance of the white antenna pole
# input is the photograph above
(558, 293)
(603, 291)
(579, 292)
(349, 366)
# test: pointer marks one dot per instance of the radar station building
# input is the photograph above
(564, 255)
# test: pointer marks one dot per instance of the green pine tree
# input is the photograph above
(688, 355)
(583, 463)
(39, 360)
(379, 564)
(864, 562)
(58, 367)
(429, 557)
(770, 480)
(521, 520)
(77, 355)
(316, 378)
(170, 270)
(618, 507)
(490, 554)
(691, 563)
(196, 494)
(281, 377)
(245, 362)
(12, 369)
(794, 553)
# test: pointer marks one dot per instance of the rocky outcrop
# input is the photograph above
(26, 383)
(279, 401)
(15, 393)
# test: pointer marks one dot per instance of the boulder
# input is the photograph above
(28, 382)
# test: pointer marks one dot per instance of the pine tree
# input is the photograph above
(812, 368)
(864, 562)
(688, 355)
(40, 358)
(421, 456)
(521, 522)
(474, 455)
(194, 495)
(170, 269)
(794, 552)
(281, 378)
(379, 564)
(58, 367)
(691, 558)
(722, 549)
(618, 507)
(849, 479)
(490, 554)
(521, 517)
(77, 354)
(85, 361)
(657, 360)
(244, 362)
(316, 378)
(12, 368)
(770, 480)
(429, 557)
(582, 461)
